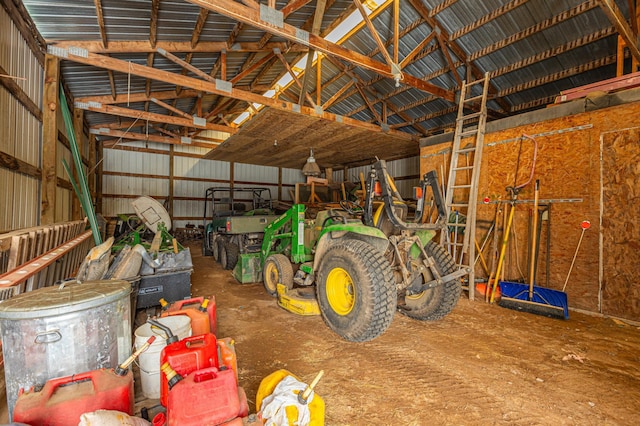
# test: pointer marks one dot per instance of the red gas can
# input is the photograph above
(206, 397)
(187, 355)
(62, 401)
(203, 318)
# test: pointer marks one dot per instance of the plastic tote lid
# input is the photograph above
(70, 296)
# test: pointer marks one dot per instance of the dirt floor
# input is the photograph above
(481, 365)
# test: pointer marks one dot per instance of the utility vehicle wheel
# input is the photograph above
(277, 269)
(217, 251)
(355, 290)
(436, 302)
(206, 251)
(229, 255)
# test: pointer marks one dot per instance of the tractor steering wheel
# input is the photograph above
(351, 207)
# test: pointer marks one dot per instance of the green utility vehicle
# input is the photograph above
(364, 262)
(234, 222)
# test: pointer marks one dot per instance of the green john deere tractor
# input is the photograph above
(365, 262)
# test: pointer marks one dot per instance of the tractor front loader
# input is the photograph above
(364, 262)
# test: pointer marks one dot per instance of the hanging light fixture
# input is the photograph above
(311, 168)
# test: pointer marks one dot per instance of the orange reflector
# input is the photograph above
(377, 189)
(417, 192)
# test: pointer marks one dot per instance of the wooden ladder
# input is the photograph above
(461, 196)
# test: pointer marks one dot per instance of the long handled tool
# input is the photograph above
(532, 299)
(584, 225)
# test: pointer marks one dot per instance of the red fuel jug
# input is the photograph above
(62, 401)
(187, 355)
(202, 312)
(206, 397)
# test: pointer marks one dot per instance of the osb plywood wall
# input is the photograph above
(572, 180)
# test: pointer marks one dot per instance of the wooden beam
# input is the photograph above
(249, 16)
(17, 92)
(197, 30)
(248, 70)
(186, 65)
(146, 138)
(337, 95)
(158, 118)
(170, 108)
(78, 126)
(14, 164)
(49, 140)
(374, 33)
(153, 24)
(315, 29)
(319, 80)
(118, 46)
(295, 78)
(103, 32)
(618, 20)
(107, 62)
(396, 30)
(409, 58)
(139, 97)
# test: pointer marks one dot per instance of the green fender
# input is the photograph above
(340, 231)
(425, 236)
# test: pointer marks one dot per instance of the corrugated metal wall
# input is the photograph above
(406, 174)
(192, 176)
(21, 132)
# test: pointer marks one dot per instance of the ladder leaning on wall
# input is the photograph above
(461, 196)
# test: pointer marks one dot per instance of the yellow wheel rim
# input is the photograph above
(271, 276)
(340, 291)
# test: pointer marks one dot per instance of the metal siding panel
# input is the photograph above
(292, 176)
(257, 174)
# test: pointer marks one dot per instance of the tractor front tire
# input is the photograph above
(355, 291)
(277, 270)
(434, 303)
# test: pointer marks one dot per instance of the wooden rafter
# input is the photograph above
(117, 46)
(149, 138)
(618, 20)
(374, 33)
(241, 13)
(158, 118)
(315, 30)
(170, 108)
(294, 76)
(114, 64)
(138, 97)
(369, 104)
(100, 16)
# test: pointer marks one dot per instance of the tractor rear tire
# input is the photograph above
(229, 255)
(277, 270)
(434, 303)
(356, 292)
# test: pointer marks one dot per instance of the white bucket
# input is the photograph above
(149, 360)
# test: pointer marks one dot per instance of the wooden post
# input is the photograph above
(171, 173)
(49, 140)
(99, 169)
(78, 117)
(91, 175)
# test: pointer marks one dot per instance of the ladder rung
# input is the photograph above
(473, 83)
(463, 150)
(458, 205)
(470, 116)
(473, 98)
(468, 132)
(461, 186)
(463, 168)
(452, 243)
